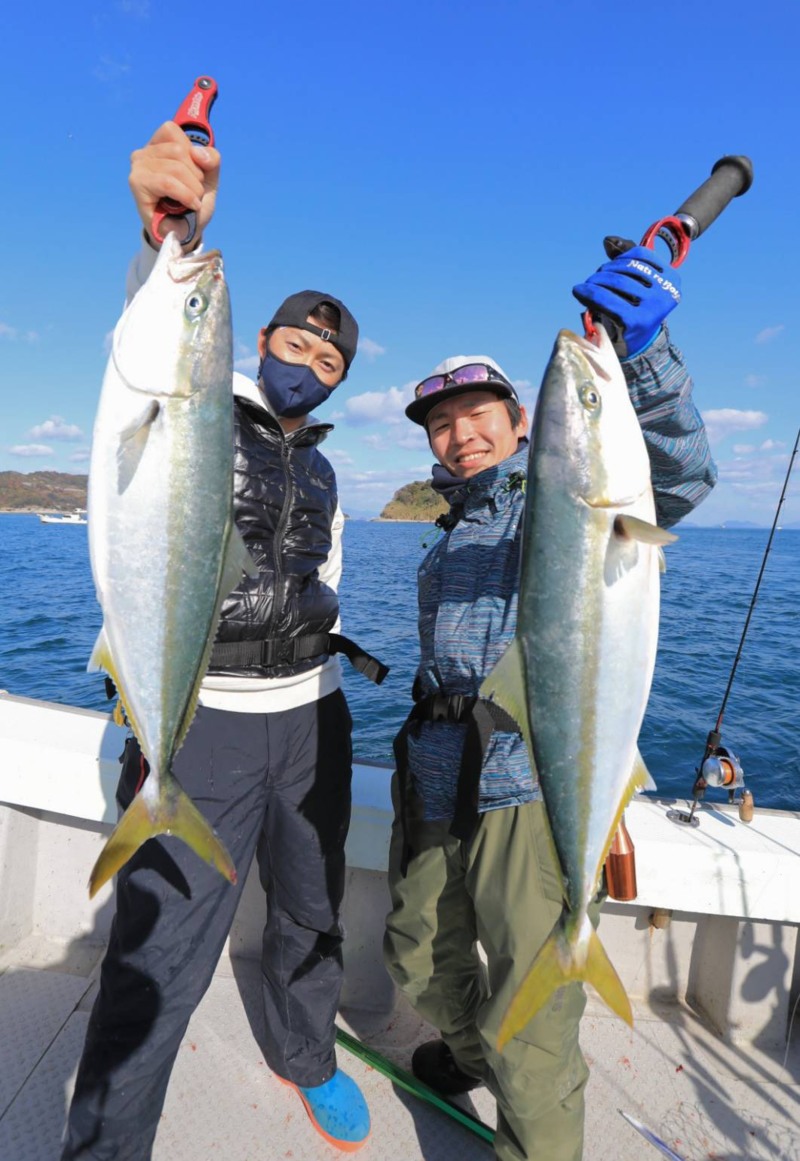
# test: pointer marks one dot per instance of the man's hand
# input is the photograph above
(637, 291)
(170, 166)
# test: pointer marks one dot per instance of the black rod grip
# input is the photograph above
(730, 177)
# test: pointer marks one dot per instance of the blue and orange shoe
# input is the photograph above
(337, 1110)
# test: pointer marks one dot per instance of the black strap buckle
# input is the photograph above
(452, 708)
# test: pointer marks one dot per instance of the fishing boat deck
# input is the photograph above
(706, 1098)
(709, 953)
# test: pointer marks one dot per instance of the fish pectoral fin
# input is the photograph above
(172, 813)
(641, 778)
(132, 442)
(562, 961)
(505, 685)
(633, 528)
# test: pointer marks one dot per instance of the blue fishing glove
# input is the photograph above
(636, 291)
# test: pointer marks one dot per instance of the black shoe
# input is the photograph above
(434, 1064)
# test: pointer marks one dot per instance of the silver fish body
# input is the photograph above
(163, 546)
(577, 676)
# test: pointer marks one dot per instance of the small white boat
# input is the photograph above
(77, 516)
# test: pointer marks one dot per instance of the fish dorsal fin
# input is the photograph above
(633, 528)
(505, 685)
(132, 442)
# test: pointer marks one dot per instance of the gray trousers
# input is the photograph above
(276, 786)
(503, 888)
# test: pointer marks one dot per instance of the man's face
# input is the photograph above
(472, 432)
(297, 346)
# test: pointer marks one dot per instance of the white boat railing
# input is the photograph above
(715, 922)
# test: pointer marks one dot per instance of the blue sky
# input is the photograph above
(449, 171)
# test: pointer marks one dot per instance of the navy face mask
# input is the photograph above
(291, 389)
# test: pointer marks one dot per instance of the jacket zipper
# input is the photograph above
(283, 520)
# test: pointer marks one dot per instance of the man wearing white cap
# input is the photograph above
(472, 861)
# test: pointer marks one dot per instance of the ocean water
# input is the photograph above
(49, 620)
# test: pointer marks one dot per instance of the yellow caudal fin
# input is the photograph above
(562, 962)
(505, 685)
(173, 813)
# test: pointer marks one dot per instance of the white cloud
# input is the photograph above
(12, 334)
(30, 449)
(410, 438)
(725, 420)
(772, 445)
(378, 406)
(743, 449)
(247, 364)
(137, 8)
(110, 70)
(336, 456)
(370, 349)
(56, 427)
(769, 333)
(413, 437)
(755, 380)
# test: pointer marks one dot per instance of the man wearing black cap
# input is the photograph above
(271, 739)
(472, 866)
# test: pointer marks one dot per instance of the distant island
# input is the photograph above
(42, 491)
(416, 501)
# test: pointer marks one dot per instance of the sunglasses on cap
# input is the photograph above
(461, 377)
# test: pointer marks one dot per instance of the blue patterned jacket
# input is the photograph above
(469, 581)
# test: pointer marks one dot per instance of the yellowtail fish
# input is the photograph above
(163, 546)
(577, 675)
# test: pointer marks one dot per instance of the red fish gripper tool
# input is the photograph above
(193, 117)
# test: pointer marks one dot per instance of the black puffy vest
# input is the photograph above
(284, 502)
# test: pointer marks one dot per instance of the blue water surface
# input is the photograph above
(49, 620)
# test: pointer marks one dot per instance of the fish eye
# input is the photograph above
(590, 396)
(195, 304)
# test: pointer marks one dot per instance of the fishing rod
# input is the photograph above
(731, 177)
(719, 767)
(411, 1084)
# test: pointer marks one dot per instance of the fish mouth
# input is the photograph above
(188, 266)
(591, 348)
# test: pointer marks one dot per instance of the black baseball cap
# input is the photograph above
(295, 310)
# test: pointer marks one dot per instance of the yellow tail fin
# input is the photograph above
(561, 962)
(173, 813)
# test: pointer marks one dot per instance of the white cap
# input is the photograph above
(419, 408)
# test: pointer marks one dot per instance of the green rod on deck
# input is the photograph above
(410, 1083)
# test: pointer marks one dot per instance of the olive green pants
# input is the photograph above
(504, 889)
